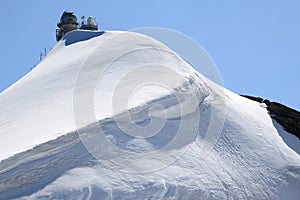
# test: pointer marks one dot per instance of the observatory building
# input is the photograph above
(90, 25)
(68, 22)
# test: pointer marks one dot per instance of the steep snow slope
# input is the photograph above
(248, 160)
(291, 140)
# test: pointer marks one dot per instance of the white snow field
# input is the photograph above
(42, 156)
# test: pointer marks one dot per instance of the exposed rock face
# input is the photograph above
(287, 117)
(258, 99)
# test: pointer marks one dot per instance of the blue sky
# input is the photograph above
(255, 44)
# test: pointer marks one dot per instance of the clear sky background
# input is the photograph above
(255, 44)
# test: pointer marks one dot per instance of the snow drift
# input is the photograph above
(43, 156)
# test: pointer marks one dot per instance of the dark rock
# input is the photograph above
(267, 102)
(287, 117)
(258, 99)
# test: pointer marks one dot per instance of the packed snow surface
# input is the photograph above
(43, 156)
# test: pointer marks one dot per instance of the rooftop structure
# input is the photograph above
(68, 22)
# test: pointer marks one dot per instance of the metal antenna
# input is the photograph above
(82, 20)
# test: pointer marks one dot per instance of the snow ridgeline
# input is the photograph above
(249, 160)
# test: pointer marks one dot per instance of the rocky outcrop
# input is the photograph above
(287, 117)
(258, 99)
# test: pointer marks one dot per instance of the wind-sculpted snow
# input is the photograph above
(240, 166)
(153, 133)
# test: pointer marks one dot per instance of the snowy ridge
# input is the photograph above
(249, 161)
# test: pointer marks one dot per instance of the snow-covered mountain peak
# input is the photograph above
(104, 108)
